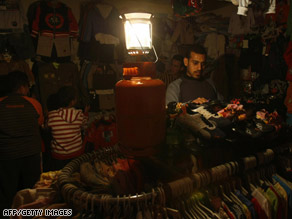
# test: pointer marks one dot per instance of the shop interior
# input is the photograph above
(134, 155)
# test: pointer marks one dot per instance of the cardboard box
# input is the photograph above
(106, 99)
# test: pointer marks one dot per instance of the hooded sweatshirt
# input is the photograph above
(66, 124)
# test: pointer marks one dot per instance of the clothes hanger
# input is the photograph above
(236, 199)
(194, 208)
(230, 186)
(183, 209)
(193, 211)
(209, 212)
(153, 197)
(139, 214)
(146, 211)
(221, 189)
(124, 209)
(263, 176)
(81, 202)
(163, 202)
(103, 206)
(176, 205)
(216, 176)
(116, 209)
(252, 187)
(181, 187)
(238, 183)
(131, 208)
(269, 173)
(206, 176)
(233, 197)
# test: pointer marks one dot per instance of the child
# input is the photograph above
(66, 123)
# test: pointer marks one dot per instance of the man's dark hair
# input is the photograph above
(65, 95)
(179, 58)
(16, 79)
(197, 49)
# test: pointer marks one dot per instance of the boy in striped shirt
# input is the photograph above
(66, 124)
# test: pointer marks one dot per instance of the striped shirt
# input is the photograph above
(20, 120)
(66, 124)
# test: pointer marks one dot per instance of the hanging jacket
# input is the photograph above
(12, 18)
(95, 23)
(57, 21)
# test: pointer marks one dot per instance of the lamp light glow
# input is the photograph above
(138, 32)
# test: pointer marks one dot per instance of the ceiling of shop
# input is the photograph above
(161, 6)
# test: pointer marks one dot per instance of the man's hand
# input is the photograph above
(200, 100)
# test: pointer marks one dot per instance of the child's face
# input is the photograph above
(176, 66)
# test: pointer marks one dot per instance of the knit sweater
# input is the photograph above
(187, 89)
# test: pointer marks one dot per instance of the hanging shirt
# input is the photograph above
(274, 202)
(12, 16)
(258, 209)
(281, 191)
(280, 210)
(215, 44)
(95, 22)
(228, 211)
(247, 203)
(262, 201)
(240, 25)
(288, 188)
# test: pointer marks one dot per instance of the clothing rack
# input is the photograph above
(163, 199)
(78, 197)
(220, 173)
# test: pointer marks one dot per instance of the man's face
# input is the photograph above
(195, 65)
(176, 66)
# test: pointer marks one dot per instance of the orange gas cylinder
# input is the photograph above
(140, 114)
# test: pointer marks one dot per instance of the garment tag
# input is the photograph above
(264, 50)
(245, 44)
(56, 65)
